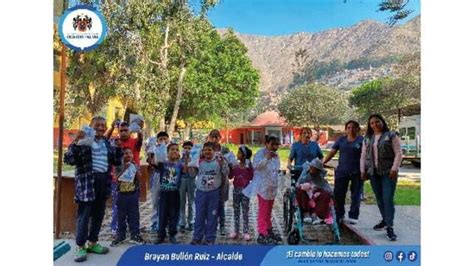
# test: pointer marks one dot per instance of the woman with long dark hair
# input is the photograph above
(349, 147)
(380, 161)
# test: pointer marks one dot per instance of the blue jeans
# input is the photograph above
(384, 190)
(90, 214)
(186, 193)
(113, 223)
(207, 205)
(341, 185)
(155, 198)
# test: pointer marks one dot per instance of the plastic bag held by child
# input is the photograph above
(160, 153)
(151, 145)
(89, 135)
(231, 159)
(250, 190)
(134, 127)
(128, 175)
(195, 155)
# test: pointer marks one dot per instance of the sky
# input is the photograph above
(279, 17)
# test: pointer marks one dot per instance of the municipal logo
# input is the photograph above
(82, 28)
(400, 256)
(388, 256)
(412, 256)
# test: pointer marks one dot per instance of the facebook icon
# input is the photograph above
(412, 256)
(400, 256)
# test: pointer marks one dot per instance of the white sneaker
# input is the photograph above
(316, 220)
(307, 220)
(352, 221)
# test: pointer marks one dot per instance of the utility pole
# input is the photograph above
(59, 178)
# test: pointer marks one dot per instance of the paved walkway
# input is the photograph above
(321, 232)
(406, 225)
(410, 172)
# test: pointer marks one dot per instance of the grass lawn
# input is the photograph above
(407, 193)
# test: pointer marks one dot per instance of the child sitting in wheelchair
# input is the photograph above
(314, 194)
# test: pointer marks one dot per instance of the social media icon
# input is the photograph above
(412, 256)
(388, 256)
(400, 256)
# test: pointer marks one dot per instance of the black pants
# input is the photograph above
(91, 213)
(127, 205)
(341, 185)
(169, 213)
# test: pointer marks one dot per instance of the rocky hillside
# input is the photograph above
(341, 57)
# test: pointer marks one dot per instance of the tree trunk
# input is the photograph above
(226, 130)
(187, 131)
(179, 95)
(164, 69)
(162, 124)
(164, 49)
(318, 129)
(125, 110)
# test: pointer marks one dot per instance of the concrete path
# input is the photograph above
(409, 172)
(406, 225)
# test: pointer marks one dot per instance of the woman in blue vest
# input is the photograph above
(305, 150)
(380, 161)
(348, 171)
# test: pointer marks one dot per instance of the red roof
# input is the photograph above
(269, 118)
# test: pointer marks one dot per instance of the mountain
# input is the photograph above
(342, 57)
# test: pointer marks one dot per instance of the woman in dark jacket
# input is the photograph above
(380, 161)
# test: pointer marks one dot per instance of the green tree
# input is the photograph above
(221, 81)
(382, 96)
(313, 105)
(122, 66)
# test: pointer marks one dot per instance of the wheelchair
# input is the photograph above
(293, 216)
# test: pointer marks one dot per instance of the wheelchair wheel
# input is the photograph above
(294, 237)
(291, 214)
(335, 226)
(288, 211)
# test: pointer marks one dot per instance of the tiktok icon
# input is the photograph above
(412, 256)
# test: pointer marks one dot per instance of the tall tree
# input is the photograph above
(314, 105)
(221, 80)
(122, 66)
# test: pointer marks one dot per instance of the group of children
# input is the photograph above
(202, 188)
(195, 178)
